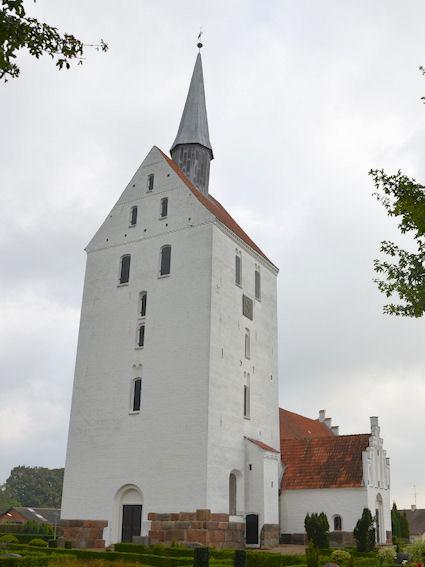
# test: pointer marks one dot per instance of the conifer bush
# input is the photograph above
(201, 557)
(312, 555)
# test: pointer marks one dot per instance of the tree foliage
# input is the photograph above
(18, 31)
(6, 499)
(364, 532)
(399, 523)
(36, 486)
(403, 198)
(317, 529)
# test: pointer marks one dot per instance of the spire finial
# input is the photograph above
(199, 45)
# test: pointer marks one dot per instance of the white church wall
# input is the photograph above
(231, 370)
(346, 502)
(161, 449)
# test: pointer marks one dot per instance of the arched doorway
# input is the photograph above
(129, 513)
(236, 493)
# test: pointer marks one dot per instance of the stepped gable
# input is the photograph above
(216, 209)
(323, 462)
(295, 426)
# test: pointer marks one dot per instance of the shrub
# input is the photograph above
(9, 538)
(364, 532)
(387, 554)
(240, 558)
(340, 556)
(317, 528)
(68, 544)
(312, 555)
(201, 557)
(38, 542)
(52, 543)
(416, 550)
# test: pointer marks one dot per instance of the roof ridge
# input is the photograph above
(217, 209)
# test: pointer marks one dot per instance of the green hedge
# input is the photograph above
(145, 559)
(156, 549)
(26, 538)
(11, 528)
(30, 561)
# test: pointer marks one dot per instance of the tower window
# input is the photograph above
(257, 284)
(337, 523)
(150, 181)
(246, 400)
(164, 207)
(238, 269)
(133, 216)
(165, 260)
(142, 304)
(125, 269)
(141, 336)
(137, 393)
(247, 344)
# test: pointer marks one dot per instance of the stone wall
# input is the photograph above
(269, 536)
(336, 539)
(82, 533)
(202, 527)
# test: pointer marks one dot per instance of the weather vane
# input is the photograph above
(199, 39)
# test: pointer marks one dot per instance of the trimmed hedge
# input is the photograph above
(156, 549)
(29, 561)
(26, 538)
(145, 559)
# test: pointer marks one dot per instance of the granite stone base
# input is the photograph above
(200, 527)
(84, 534)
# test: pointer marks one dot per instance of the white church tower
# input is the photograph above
(175, 399)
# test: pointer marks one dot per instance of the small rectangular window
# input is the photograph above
(137, 394)
(150, 181)
(141, 337)
(164, 207)
(246, 401)
(142, 308)
(238, 269)
(247, 344)
(125, 269)
(133, 216)
(165, 260)
(247, 307)
(257, 285)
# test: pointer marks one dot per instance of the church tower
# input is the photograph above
(175, 398)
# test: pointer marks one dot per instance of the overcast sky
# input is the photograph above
(303, 99)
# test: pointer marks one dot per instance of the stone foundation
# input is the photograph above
(84, 534)
(202, 527)
(336, 539)
(269, 536)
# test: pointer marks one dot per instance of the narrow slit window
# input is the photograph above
(238, 269)
(125, 269)
(142, 306)
(133, 216)
(151, 178)
(137, 394)
(165, 260)
(247, 344)
(257, 284)
(141, 336)
(164, 207)
(246, 401)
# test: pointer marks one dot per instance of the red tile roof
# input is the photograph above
(262, 445)
(295, 426)
(216, 209)
(323, 462)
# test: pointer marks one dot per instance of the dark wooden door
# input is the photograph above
(131, 521)
(251, 536)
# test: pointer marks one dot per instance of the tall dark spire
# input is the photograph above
(192, 150)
